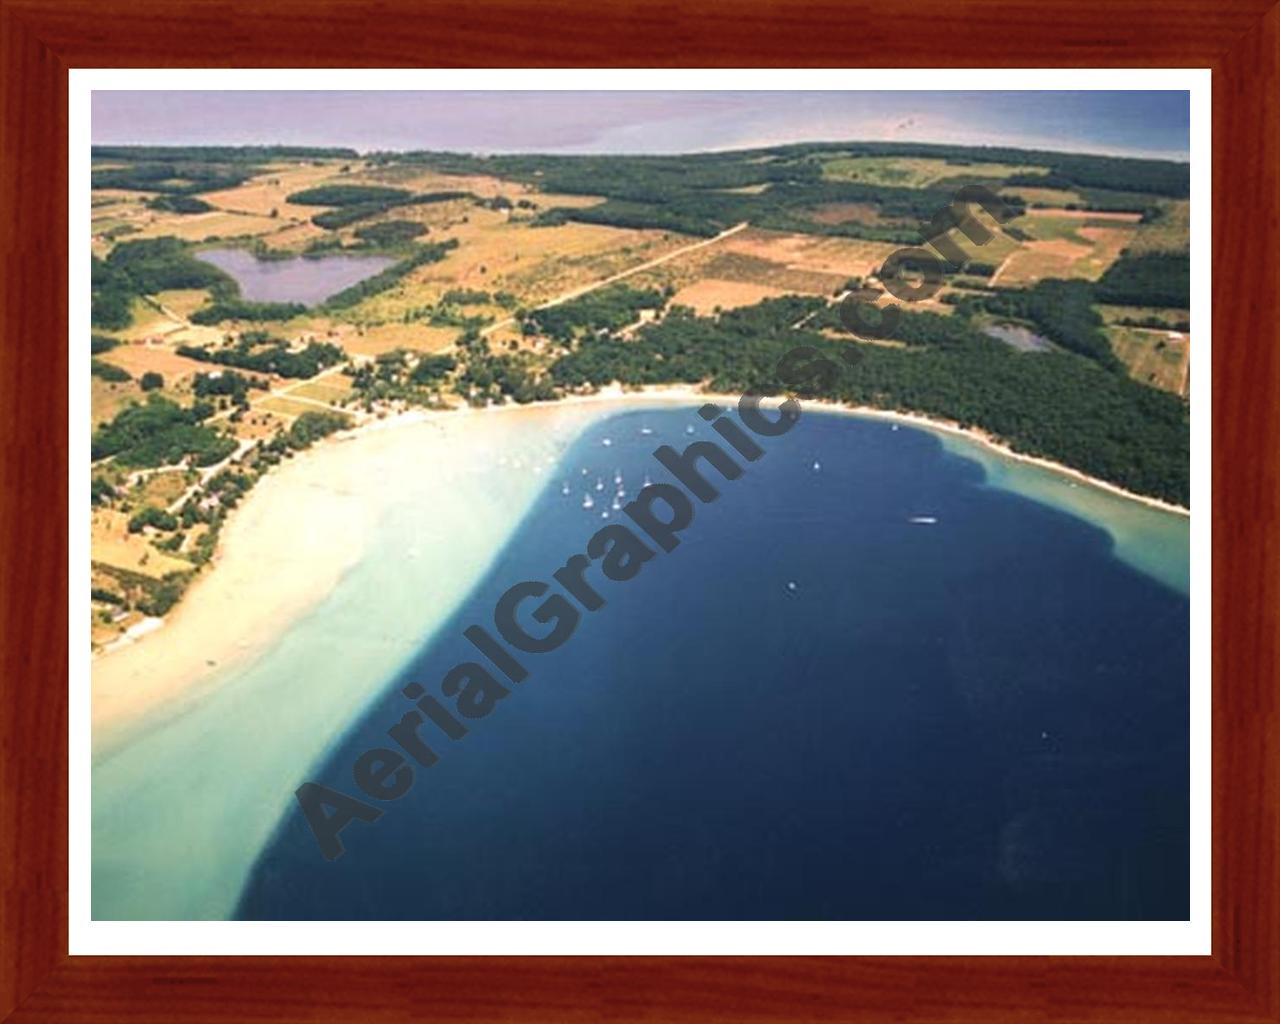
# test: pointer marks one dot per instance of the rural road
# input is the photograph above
(622, 275)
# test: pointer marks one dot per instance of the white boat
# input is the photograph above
(604, 515)
(606, 442)
(646, 431)
(617, 476)
(688, 429)
(587, 502)
(647, 481)
(599, 484)
(923, 520)
(816, 465)
(564, 489)
(617, 505)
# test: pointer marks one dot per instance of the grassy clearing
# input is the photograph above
(202, 227)
(374, 340)
(111, 543)
(1170, 232)
(161, 489)
(533, 263)
(184, 301)
(844, 257)
(143, 358)
(1158, 358)
(711, 295)
(261, 195)
(285, 407)
(1171, 318)
(1052, 197)
(914, 172)
(1066, 244)
(106, 399)
(332, 389)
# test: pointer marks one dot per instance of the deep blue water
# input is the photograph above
(983, 718)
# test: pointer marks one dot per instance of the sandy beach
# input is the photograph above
(304, 525)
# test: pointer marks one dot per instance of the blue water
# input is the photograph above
(981, 718)
(305, 280)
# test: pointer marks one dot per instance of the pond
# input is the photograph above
(1018, 337)
(308, 281)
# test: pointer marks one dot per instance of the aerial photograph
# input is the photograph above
(639, 506)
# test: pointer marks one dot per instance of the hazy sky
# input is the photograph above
(1137, 123)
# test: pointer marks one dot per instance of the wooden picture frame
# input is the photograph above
(42, 39)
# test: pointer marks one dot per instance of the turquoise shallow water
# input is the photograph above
(980, 716)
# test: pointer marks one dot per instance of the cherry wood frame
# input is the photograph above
(41, 39)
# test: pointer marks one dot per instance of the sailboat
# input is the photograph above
(587, 501)
(617, 476)
(599, 484)
(565, 488)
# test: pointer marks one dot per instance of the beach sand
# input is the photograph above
(202, 727)
(305, 524)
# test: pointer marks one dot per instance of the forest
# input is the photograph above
(689, 193)
(144, 267)
(1053, 404)
(259, 351)
(610, 309)
(161, 433)
(1151, 279)
(1061, 311)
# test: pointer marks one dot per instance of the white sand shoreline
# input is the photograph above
(304, 525)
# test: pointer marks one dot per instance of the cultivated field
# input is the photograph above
(1158, 358)
(711, 295)
(1066, 244)
(911, 172)
(265, 194)
(1170, 232)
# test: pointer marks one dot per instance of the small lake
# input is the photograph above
(308, 281)
(1018, 337)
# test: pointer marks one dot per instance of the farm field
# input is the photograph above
(837, 257)
(1170, 232)
(267, 192)
(1158, 358)
(711, 295)
(914, 172)
(533, 263)
(1066, 244)
(1043, 197)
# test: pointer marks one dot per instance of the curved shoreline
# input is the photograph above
(951, 427)
(276, 563)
